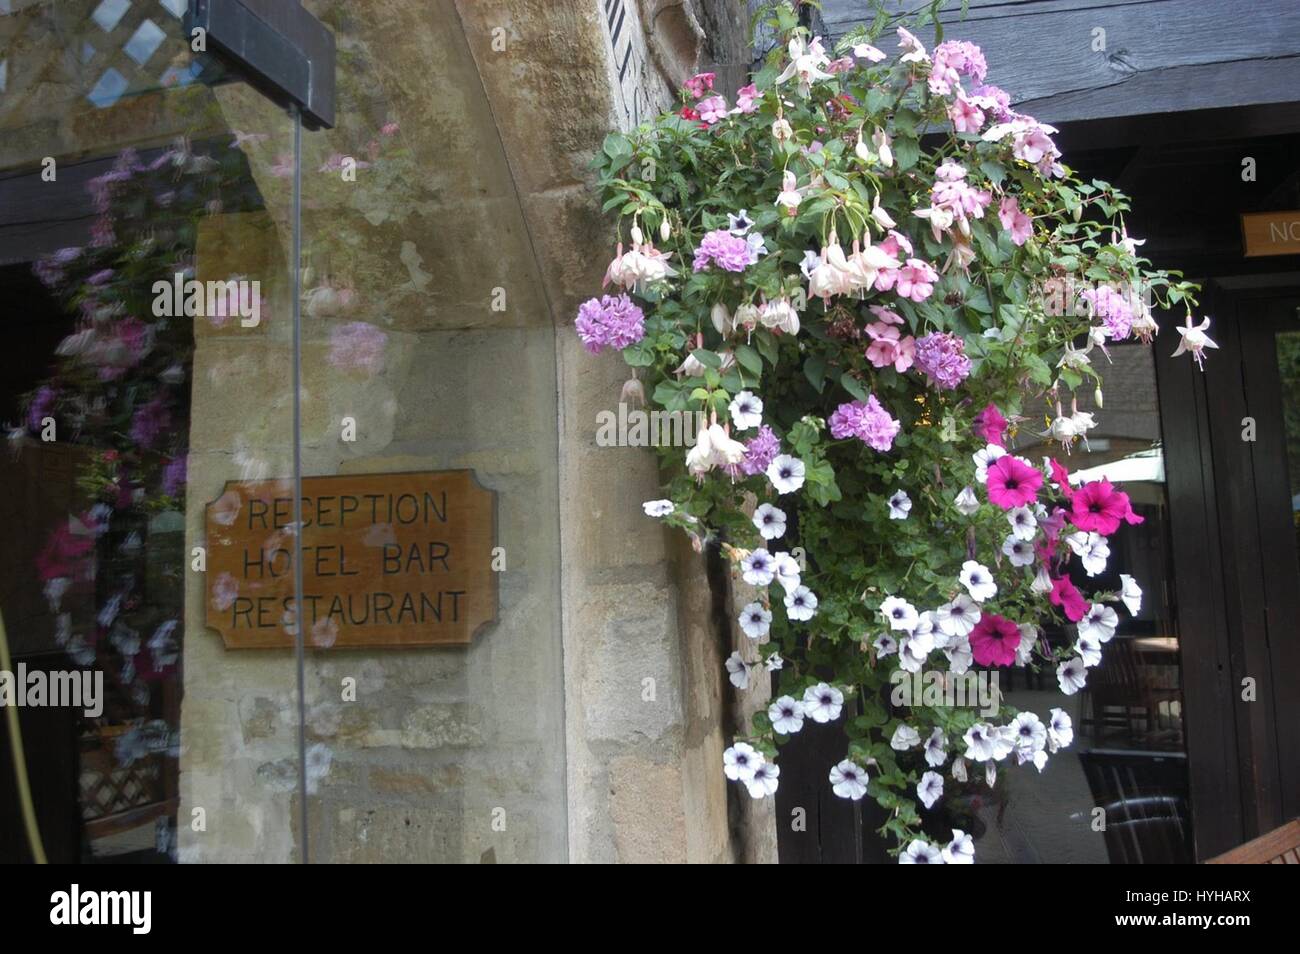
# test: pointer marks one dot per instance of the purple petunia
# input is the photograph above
(611, 321)
(723, 250)
(867, 421)
(942, 357)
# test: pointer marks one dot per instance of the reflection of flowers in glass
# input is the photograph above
(324, 632)
(173, 478)
(224, 591)
(65, 555)
(41, 407)
(358, 346)
(149, 423)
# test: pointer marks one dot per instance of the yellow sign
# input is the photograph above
(389, 560)
(1271, 233)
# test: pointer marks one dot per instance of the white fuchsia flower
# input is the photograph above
(789, 197)
(1130, 593)
(904, 738)
(782, 130)
(713, 448)
(786, 473)
(930, 789)
(787, 571)
(1099, 622)
(801, 604)
(737, 671)
(806, 62)
(764, 781)
(1019, 552)
(758, 567)
(786, 715)
(936, 748)
(849, 780)
(921, 853)
(1024, 525)
(1060, 730)
(900, 505)
(769, 520)
(978, 581)
(1088, 649)
(746, 410)
(966, 502)
(780, 313)
(961, 850)
(900, 613)
(1091, 549)
(1072, 675)
(913, 50)
(1042, 584)
(1194, 340)
(822, 702)
(958, 617)
(740, 760)
(886, 645)
(658, 508)
(755, 620)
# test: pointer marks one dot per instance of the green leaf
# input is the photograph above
(853, 386)
(749, 359)
(906, 153)
(814, 369)
(707, 358)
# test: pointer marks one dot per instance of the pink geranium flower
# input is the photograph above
(699, 84)
(1013, 483)
(991, 426)
(916, 280)
(1067, 597)
(746, 99)
(965, 115)
(1015, 221)
(1098, 506)
(994, 641)
(712, 110)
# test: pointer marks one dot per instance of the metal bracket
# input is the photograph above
(277, 46)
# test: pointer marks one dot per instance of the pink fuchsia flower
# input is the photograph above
(358, 346)
(699, 84)
(965, 115)
(789, 197)
(994, 640)
(866, 420)
(721, 249)
(1013, 483)
(1098, 506)
(1015, 221)
(941, 356)
(712, 110)
(991, 426)
(610, 322)
(916, 280)
(747, 99)
(641, 264)
(1067, 597)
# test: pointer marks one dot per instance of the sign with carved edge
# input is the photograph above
(1270, 233)
(389, 561)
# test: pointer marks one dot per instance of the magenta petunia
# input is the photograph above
(1099, 507)
(1067, 597)
(991, 426)
(994, 640)
(1012, 482)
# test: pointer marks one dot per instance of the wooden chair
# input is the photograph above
(1281, 846)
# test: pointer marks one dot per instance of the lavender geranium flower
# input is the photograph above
(867, 421)
(721, 249)
(611, 321)
(942, 357)
(760, 451)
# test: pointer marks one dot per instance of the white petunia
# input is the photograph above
(1131, 593)
(899, 506)
(921, 853)
(786, 473)
(801, 604)
(1099, 622)
(930, 789)
(961, 850)
(739, 761)
(1024, 525)
(658, 508)
(746, 410)
(773, 662)
(822, 702)
(1019, 552)
(985, 742)
(786, 715)
(849, 780)
(1071, 675)
(1092, 549)
(978, 581)
(769, 520)
(966, 502)
(1042, 584)
(758, 566)
(914, 649)
(936, 748)
(1060, 730)
(1028, 638)
(755, 620)
(904, 738)
(959, 655)
(959, 617)
(787, 571)
(1028, 734)
(900, 613)
(764, 781)
(886, 645)
(1089, 650)
(983, 458)
(738, 671)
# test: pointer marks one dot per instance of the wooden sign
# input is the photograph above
(389, 560)
(1271, 233)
